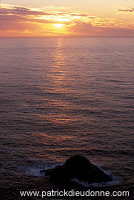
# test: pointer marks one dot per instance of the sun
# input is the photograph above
(59, 25)
(59, 28)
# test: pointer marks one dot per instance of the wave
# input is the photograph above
(116, 180)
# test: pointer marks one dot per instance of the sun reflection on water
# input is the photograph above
(59, 79)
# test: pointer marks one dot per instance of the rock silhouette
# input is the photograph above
(80, 168)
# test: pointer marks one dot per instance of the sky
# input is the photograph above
(38, 18)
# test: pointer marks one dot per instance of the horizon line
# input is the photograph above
(64, 36)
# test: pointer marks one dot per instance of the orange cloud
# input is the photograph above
(127, 10)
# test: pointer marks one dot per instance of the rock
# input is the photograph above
(80, 168)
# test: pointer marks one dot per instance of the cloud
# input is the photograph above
(82, 27)
(21, 11)
(128, 10)
(12, 17)
(48, 15)
(87, 29)
(78, 14)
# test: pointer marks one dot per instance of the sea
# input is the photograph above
(65, 96)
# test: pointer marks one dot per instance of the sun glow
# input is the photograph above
(59, 26)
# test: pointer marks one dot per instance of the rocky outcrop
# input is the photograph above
(80, 168)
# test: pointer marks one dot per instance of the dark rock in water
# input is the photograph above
(78, 167)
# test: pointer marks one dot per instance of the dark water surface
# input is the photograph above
(65, 96)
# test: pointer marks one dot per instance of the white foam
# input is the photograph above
(115, 181)
(38, 169)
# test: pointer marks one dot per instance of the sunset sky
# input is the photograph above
(31, 18)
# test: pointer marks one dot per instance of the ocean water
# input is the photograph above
(61, 97)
